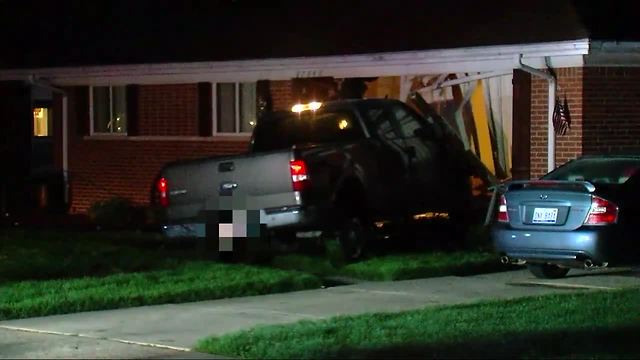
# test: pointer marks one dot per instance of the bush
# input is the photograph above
(114, 213)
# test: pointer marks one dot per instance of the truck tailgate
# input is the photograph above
(252, 181)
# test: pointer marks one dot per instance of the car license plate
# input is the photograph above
(545, 215)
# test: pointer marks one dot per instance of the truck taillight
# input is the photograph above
(503, 215)
(602, 212)
(162, 187)
(298, 174)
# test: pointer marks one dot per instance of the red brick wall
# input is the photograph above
(611, 110)
(568, 146)
(605, 111)
(168, 110)
(101, 169)
(281, 95)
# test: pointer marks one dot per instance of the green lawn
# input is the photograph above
(396, 267)
(41, 255)
(49, 272)
(190, 281)
(580, 325)
(318, 265)
(412, 266)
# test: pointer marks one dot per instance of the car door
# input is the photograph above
(392, 159)
(425, 180)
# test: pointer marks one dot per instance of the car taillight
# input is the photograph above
(602, 212)
(503, 215)
(298, 174)
(162, 188)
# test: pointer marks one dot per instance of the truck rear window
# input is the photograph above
(282, 130)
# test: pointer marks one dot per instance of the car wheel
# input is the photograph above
(547, 271)
(353, 237)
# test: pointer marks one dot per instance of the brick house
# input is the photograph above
(101, 124)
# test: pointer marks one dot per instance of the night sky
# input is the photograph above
(68, 33)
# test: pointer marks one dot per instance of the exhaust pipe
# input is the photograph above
(507, 260)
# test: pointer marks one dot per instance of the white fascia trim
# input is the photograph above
(626, 47)
(470, 59)
(613, 53)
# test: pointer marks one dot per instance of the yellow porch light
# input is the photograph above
(313, 106)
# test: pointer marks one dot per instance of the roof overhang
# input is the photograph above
(470, 59)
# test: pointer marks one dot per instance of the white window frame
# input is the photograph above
(92, 132)
(214, 102)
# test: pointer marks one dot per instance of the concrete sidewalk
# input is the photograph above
(179, 326)
(29, 345)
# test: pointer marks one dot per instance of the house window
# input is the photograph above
(235, 107)
(108, 110)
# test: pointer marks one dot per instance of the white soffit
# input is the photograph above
(472, 59)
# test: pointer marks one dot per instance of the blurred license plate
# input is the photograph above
(545, 215)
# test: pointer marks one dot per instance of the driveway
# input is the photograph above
(172, 330)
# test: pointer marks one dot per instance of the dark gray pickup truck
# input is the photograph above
(348, 166)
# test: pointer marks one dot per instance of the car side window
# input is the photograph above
(409, 123)
(423, 147)
(406, 121)
(384, 127)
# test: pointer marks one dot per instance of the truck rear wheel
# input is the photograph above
(354, 236)
(354, 230)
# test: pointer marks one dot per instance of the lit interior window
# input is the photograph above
(40, 122)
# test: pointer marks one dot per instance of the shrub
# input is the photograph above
(114, 213)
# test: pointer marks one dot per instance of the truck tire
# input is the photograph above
(354, 230)
(354, 236)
